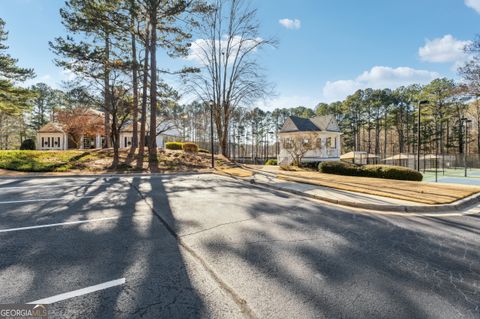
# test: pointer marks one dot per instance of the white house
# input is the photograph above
(53, 135)
(166, 133)
(316, 139)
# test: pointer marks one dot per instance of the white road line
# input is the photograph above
(69, 185)
(79, 292)
(64, 185)
(58, 224)
(43, 199)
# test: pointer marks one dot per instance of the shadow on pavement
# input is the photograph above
(41, 263)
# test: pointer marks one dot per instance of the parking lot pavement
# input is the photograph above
(103, 246)
(290, 257)
(93, 247)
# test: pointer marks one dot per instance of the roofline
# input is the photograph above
(284, 132)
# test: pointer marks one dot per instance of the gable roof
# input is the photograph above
(326, 123)
(51, 128)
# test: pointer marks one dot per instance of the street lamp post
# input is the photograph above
(420, 103)
(464, 121)
(436, 152)
(211, 133)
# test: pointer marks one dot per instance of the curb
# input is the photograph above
(456, 206)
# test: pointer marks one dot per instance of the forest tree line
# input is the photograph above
(112, 48)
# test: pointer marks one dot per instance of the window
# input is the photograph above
(43, 141)
(287, 142)
(319, 143)
(329, 142)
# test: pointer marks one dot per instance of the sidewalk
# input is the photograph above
(353, 199)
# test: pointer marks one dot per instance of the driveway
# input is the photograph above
(209, 246)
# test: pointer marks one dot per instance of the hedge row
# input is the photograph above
(186, 147)
(376, 171)
(174, 146)
(190, 147)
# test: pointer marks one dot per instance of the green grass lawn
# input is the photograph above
(42, 161)
(97, 161)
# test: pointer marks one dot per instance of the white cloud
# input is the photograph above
(53, 81)
(67, 75)
(288, 101)
(474, 4)
(294, 24)
(443, 50)
(379, 77)
(47, 79)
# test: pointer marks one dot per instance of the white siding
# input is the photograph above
(51, 141)
(321, 153)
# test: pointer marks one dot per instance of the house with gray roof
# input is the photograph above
(304, 140)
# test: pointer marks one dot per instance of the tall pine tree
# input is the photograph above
(13, 99)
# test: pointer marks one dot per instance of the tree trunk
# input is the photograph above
(135, 95)
(377, 136)
(152, 141)
(369, 137)
(477, 106)
(115, 141)
(143, 121)
(106, 84)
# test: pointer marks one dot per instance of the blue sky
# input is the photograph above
(327, 48)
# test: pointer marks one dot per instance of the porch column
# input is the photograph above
(81, 142)
(337, 145)
(65, 142)
(98, 141)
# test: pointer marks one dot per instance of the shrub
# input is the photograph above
(202, 150)
(28, 144)
(271, 162)
(190, 147)
(312, 165)
(174, 146)
(376, 171)
(392, 172)
(338, 168)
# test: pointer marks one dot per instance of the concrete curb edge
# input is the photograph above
(456, 206)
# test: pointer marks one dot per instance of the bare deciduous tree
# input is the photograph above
(80, 121)
(297, 146)
(230, 74)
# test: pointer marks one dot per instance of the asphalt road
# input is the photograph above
(204, 246)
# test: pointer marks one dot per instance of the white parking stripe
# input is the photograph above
(43, 199)
(54, 225)
(79, 292)
(47, 186)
